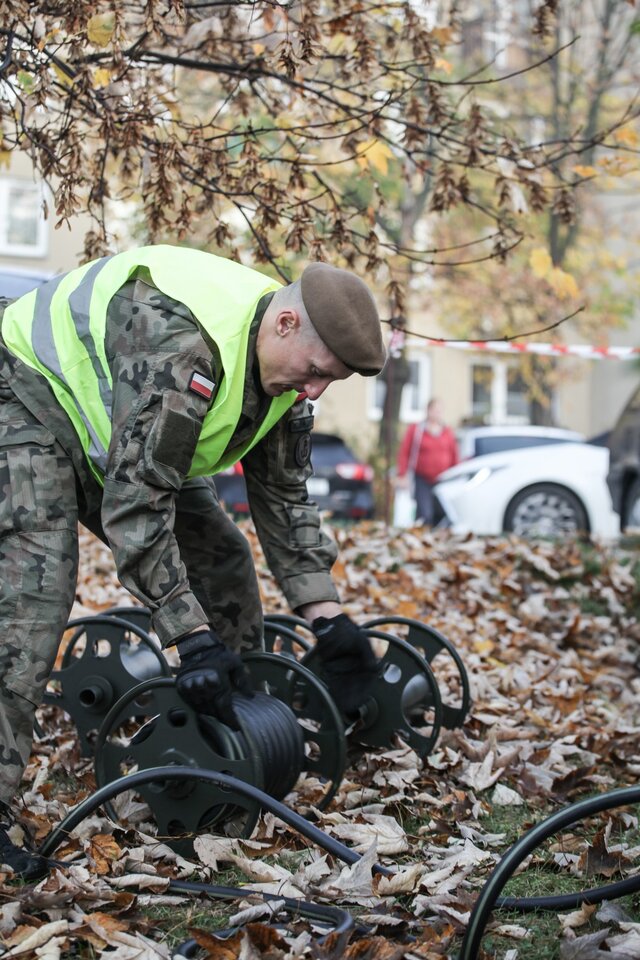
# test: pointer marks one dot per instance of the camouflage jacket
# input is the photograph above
(153, 346)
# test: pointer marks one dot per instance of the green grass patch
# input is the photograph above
(543, 876)
(545, 937)
(593, 607)
(178, 920)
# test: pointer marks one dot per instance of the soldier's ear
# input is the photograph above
(287, 321)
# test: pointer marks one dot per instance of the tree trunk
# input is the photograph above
(395, 376)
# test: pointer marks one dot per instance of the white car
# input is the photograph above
(478, 441)
(546, 491)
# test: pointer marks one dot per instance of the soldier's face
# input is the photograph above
(290, 359)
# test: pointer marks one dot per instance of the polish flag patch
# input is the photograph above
(201, 385)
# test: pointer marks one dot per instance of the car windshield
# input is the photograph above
(497, 444)
(329, 451)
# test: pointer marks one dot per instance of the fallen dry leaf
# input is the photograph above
(549, 636)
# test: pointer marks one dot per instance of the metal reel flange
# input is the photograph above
(403, 700)
(140, 616)
(282, 635)
(137, 616)
(153, 726)
(431, 643)
(106, 656)
(325, 748)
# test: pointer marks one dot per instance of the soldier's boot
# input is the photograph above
(26, 865)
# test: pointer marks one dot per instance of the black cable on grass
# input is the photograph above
(490, 894)
(224, 780)
(340, 920)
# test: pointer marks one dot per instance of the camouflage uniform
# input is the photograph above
(174, 547)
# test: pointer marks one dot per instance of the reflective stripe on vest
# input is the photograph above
(60, 331)
(46, 352)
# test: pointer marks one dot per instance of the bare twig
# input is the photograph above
(393, 323)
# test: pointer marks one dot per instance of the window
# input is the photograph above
(415, 393)
(509, 442)
(517, 397)
(481, 383)
(499, 393)
(23, 229)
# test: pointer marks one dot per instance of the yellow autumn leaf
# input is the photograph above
(340, 43)
(442, 64)
(5, 159)
(258, 48)
(483, 646)
(62, 75)
(101, 78)
(609, 261)
(443, 35)
(171, 106)
(563, 284)
(585, 171)
(374, 154)
(494, 662)
(617, 166)
(100, 28)
(540, 262)
(628, 136)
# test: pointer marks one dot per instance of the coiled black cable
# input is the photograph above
(278, 739)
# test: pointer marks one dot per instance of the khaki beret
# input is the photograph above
(344, 315)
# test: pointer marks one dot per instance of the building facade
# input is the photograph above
(30, 246)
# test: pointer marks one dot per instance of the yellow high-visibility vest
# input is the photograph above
(59, 330)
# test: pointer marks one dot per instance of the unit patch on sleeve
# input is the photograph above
(201, 385)
(302, 450)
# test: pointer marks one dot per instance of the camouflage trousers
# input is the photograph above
(39, 517)
(38, 571)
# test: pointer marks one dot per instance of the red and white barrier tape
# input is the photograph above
(585, 351)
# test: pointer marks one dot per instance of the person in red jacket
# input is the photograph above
(426, 450)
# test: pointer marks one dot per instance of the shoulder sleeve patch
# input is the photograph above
(201, 385)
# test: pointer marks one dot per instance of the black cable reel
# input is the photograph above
(103, 658)
(197, 774)
(405, 702)
(117, 686)
(280, 739)
(449, 668)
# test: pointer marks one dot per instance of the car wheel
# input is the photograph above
(545, 510)
(632, 506)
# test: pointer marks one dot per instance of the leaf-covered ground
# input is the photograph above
(549, 634)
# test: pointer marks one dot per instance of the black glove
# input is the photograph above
(208, 675)
(348, 662)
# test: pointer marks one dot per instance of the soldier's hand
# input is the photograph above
(209, 673)
(348, 662)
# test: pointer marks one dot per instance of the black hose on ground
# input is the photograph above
(340, 921)
(343, 923)
(490, 893)
(133, 780)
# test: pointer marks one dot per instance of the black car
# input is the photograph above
(341, 483)
(623, 478)
(13, 283)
